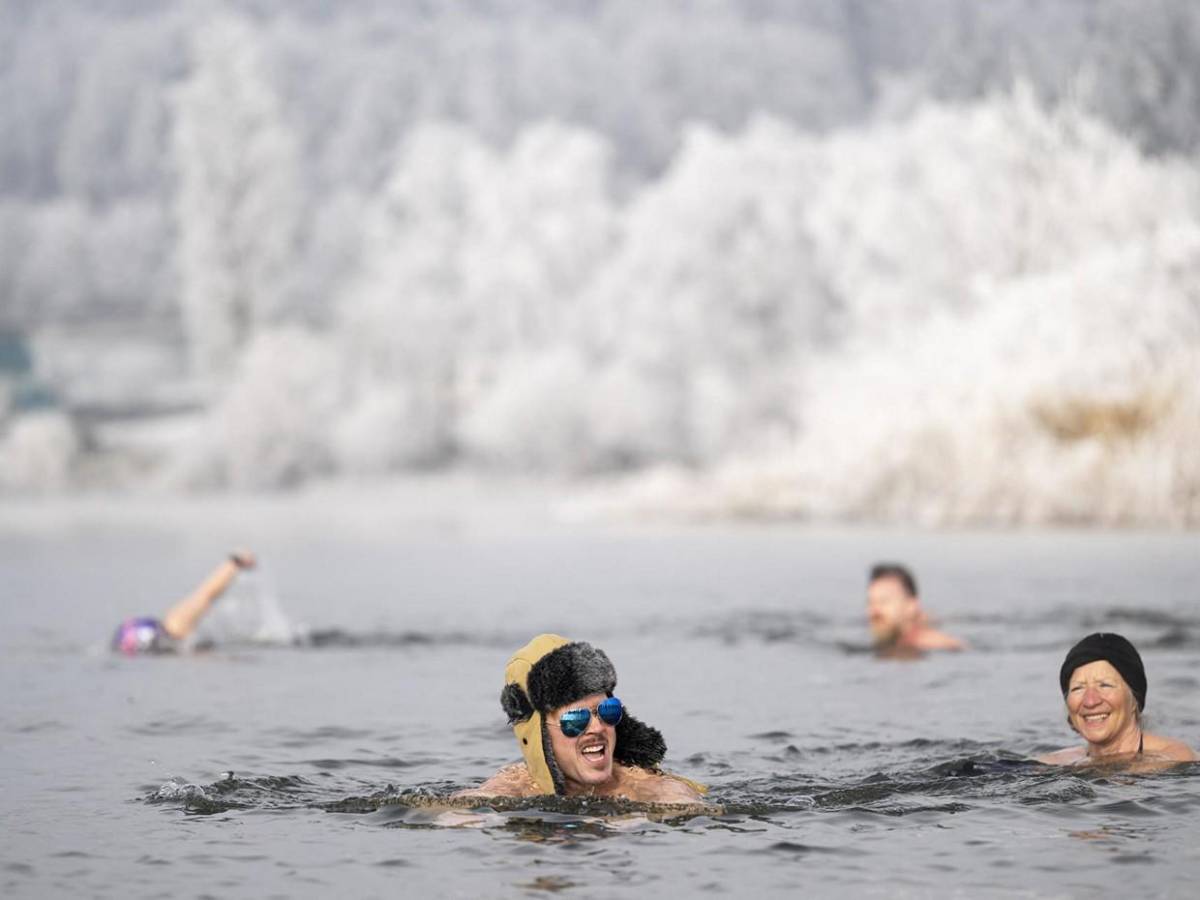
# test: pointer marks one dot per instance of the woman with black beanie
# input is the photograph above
(1104, 685)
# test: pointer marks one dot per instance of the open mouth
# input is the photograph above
(594, 752)
(1095, 718)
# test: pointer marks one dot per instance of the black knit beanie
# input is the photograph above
(1113, 649)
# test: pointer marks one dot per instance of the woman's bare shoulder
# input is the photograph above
(1155, 749)
(1168, 748)
(511, 781)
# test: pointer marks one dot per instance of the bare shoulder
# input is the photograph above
(932, 639)
(1068, 756)
(1169, 748)
(648, 786)
(511, 781)
(673, 789)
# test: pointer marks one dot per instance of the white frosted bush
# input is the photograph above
(561, 413)
(472, 260)
(975, 313)
(536, 416)
(271, 426)
(914, 215)
(238, 196)
(1040, 406)
(37, 452)
(714, 286)
(1012, 297)
(385, 429)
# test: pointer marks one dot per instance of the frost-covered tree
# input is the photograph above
(114, 135)
(474, 260)
(238, 196)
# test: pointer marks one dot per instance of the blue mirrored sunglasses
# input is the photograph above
(574, 722)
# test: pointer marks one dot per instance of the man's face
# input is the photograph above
(890, 609)
(585, 761)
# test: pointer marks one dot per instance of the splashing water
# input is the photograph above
(249, 612)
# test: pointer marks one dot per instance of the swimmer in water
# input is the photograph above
(898, 624)
(578, 739)
(149, 635)
(1104, 686)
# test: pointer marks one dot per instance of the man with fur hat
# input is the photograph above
(576, 737)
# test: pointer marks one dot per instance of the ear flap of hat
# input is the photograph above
(529, 738)
(515, 703)
(527, 723)
(638, 744)
(556, 775)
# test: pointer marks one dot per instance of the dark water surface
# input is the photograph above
(276, 770)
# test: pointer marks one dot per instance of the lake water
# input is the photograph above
(261, 770)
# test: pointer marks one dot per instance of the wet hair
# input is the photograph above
(897, 571)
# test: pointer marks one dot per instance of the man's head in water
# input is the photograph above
(892, 603)
(555, 694)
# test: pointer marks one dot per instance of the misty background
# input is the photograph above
(930, 261)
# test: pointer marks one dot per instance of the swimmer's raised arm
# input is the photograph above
(182, 618)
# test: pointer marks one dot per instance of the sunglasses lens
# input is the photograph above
(610, 711)
(574, 722)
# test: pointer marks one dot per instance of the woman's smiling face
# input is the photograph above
(1100, 705)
